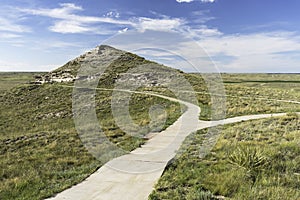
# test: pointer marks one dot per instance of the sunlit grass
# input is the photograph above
(41, 153)
(267, 167)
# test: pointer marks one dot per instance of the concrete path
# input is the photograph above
(134, 175)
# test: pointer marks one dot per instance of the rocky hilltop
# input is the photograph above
(68, 72)
(120, 67)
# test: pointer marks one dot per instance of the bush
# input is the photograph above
(252, 160)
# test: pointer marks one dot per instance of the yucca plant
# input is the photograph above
(200, 195)
(251, 159)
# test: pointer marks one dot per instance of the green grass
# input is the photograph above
(260, 78)
(252, 94)
(39, 165)
(9, 80)
(257, 93)
(38, 133)
(42, 154)
(258, 159)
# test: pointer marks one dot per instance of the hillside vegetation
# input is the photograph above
(41, 152)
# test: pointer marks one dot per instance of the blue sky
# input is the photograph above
(238, 35)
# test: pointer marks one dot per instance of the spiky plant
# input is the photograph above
(252, 160)
(200, 195)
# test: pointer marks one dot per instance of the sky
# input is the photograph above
(239, 36)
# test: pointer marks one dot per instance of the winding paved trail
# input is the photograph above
(133, 176)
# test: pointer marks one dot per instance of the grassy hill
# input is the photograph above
(41, 152)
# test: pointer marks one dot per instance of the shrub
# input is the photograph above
(252, 160)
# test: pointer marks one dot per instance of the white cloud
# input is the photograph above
(66, 20)
(165, 24)
(208, 1)
(69, 22)
(9, 35)
(252, 44)
(10, 25)
(66, 26)
(202, 32)
(188, 1)
(256, 52)
(206, 32)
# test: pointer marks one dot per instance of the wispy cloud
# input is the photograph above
(10, 25)
(201, 16)
(67, 20)
(255, 52)
(202, 31)
(11, 32)
(267, 26)
(237, 53)
(54, 44)
(9, 35)
(66, 26)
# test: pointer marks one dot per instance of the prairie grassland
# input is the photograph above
(261, 93)
(258, 159)
(41, 152)
(9, 80)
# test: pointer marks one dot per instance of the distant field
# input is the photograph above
(280, 81)
(290, 82)
(255, 94)
(9, 80)
(270, 83)
(248, 77)
(261, 93)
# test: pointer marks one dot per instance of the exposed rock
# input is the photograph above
(121, 70)
(62, 76)
(67, 73)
